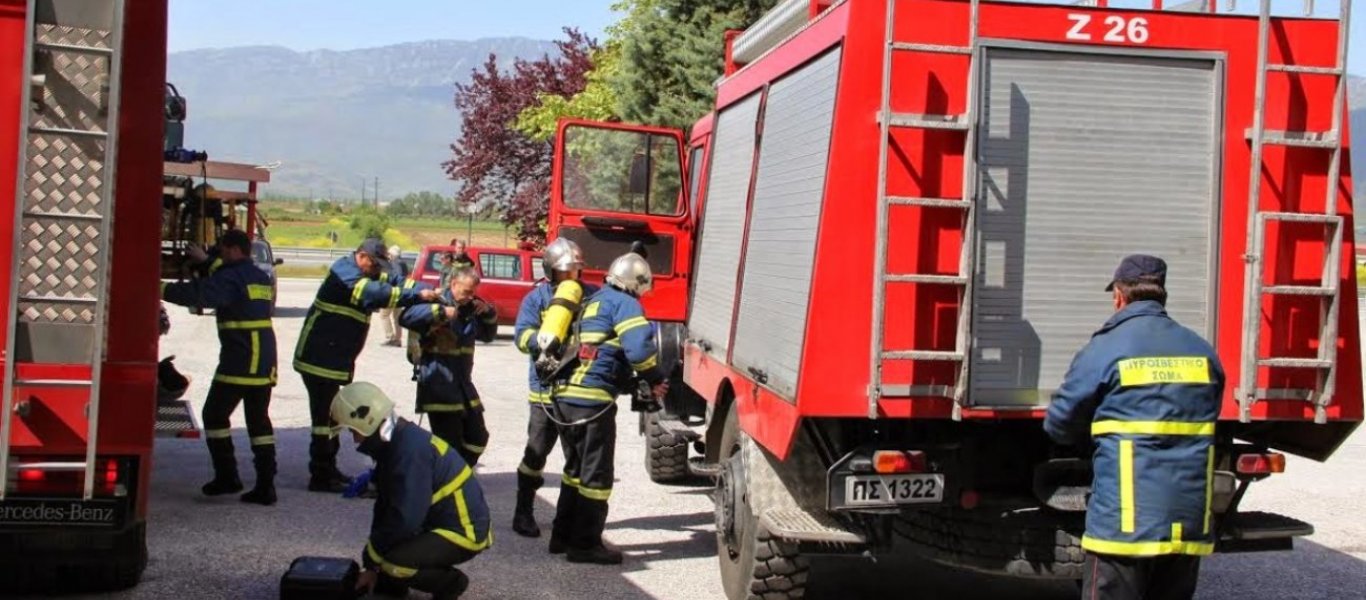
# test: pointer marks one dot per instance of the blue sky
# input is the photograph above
(348, 24)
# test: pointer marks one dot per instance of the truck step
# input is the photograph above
(931, 355)
(1297, 139)
(1295, 363)
(930, 202)
(931, 48)
(175, 419)
(927, 279)
(802, 526)
(700, 467)
(1305, 70)
(919, 121)
(1263, 525)
(1295, 217)
(1299, 290)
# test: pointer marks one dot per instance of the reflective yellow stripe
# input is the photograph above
(539, 397)
(593, 337)
(570, 481)
(393, 296)
(358, 291)
(389, 568)
(528, 471)
(408, 284)
(239, 325)
(595, 494)
(591, 310)
(581, 372)
(1176, 533)
(462, 509)
(436, 311)
(469, 351)
(163, 289)
(217, 434)
(453, 486)
(341, 310)
(441, 448)
(1126, 486)
(463, 541)
(630, 324)
(646, 364)
(443, 408)
(1209, 486)
(1151, 428)
(303, 336)
(1114, 548)
(321, 431)
(263, 440)
(472, 448)
(215, 265)
(304, 367)
(525, 339)
(1153, 370)
(255, 352)
(584, 393)
(256, 291)
(247, 381)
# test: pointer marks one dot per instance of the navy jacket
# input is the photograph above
(1147, 391)
(528, 323)
(337, 323)
(445, 372)
(240, 294)
(423, 487)
(615, 342)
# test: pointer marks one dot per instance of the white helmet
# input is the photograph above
(561, 255)
(631, 273)
(360, 407)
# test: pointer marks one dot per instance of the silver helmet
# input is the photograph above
(631, 273)
(561, 255)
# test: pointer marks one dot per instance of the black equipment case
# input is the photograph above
(318, 578)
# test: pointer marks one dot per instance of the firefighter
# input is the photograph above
(444, 370)
(240, 294)
(562, 261)
(333, 335)
(429, 513)
(1146, 392)
(614, 340)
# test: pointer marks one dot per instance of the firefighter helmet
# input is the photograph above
(561, 255)
(630, 273)
(360, 407)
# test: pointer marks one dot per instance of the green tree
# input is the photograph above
(369, 222)
(672, 51)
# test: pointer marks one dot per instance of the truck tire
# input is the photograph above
(754, 564)
(666, 453)
(992, 542)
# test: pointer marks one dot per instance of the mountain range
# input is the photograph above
(335, 118)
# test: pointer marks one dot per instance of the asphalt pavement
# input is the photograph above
(207, 549)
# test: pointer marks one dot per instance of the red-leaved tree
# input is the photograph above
(493, 161)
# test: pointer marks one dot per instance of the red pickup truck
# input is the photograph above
(507, 275)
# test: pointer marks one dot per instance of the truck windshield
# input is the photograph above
(621, 171)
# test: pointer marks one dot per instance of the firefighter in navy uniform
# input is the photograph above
(616, 344)
(1146, 391)
(240, 293)
(333, 335)
(562, 261)
(445, 369)
(429, 514)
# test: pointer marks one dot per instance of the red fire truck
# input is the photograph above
(82, 90)
(892, 238)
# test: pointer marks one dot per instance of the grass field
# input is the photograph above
(295, 229)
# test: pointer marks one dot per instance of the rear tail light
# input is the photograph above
(48, 477)
(899, 461)
(1261, 464)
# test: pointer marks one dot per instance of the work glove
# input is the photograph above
(358, 484)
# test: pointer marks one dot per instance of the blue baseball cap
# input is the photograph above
(377, 250)
(1140, 268)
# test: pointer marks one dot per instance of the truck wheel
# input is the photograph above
(666, 454)
(1023, 545)
(754, 565)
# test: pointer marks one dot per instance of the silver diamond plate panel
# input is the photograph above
(75, 93)
(65, 175)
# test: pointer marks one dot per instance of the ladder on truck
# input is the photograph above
(963, 280)
(1328, 291)
(64, 204)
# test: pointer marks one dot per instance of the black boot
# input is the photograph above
(587, 545)
(523, 517)
(562, 528)
(322, 466)
(263, 493)
(456, 585)
(225, 479)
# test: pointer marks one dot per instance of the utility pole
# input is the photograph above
(377, 193)
(362, 190)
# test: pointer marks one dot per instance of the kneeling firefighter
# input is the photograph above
(614, 342)
(430, 513)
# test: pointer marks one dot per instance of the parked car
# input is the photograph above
(507, 275)
(264, 256)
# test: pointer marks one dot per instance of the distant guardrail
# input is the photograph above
(311, 256)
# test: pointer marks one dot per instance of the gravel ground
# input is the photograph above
(210, 549)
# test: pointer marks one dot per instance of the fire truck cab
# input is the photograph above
(879, 254)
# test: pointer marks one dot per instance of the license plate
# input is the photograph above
(884, 490)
